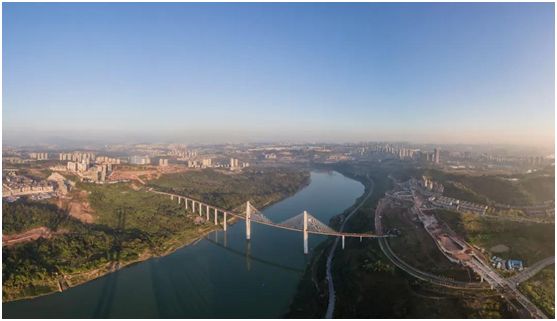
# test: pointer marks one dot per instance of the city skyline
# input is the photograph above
(437, 73)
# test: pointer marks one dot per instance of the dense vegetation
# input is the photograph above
(524, 189)
(33, 268)
(229, 190)
(541, 290)
(527, 241)
(19, 216)
(130, 225)
(367, 285)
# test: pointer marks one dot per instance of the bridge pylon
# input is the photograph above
(248, 221)
(305, 231)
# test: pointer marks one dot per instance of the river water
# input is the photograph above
(221, 276)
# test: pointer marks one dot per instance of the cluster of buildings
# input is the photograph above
(510, 265)
(434, 157)
(17, 185)
(234, 164)
(203, 163)
(38, 156)
(140, 160)
(430, 185)
(458, 205)
(107, 160)
(182, 153)
(88, 167)
(163, 162)
(402, 152)
(77, 157)
(93, 172)
(13, 160)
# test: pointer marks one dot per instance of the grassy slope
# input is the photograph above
(528, 241)
(540, 189)
(416, 247)
(529, 189)
(541, 290)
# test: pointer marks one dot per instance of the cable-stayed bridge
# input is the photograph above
(303, 222)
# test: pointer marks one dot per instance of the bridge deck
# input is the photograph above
(276, 225)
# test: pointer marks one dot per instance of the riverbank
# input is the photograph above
(361, 271)
(221, 276)
(315, 282)
(135, 238)
(77, 279)
(345, 218)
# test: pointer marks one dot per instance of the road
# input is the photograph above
(332, 295)
(531, 270)
(421, 275)
(507, 288)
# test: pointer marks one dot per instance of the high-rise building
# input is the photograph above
(436, 158)
(206, 162)
(233, 163)
(140, 160)
(38, 156)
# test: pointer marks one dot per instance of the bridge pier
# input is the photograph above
(360, 239)
(179, 199)
(343, 242)
(216, 219)
(207, 213)
(200, 208)
(305, 232)
(171, 197)
(224, 222)
(248, 221)
(186, 202)
(193, 206)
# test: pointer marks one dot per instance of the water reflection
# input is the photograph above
(247, 254)
(219, 276)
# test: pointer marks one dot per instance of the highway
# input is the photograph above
(506, 287)
(421, 275)
(330, 283)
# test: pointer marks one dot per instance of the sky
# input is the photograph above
(438, 73)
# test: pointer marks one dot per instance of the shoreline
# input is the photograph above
(100, 272)
(106, 270)
(321, 261)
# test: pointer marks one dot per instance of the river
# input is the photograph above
(221, 276)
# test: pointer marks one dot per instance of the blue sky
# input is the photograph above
(329, 72)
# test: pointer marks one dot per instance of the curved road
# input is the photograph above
(505, 286)
(332, 297)
(421, 275)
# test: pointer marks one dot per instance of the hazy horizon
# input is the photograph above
(468, 73)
